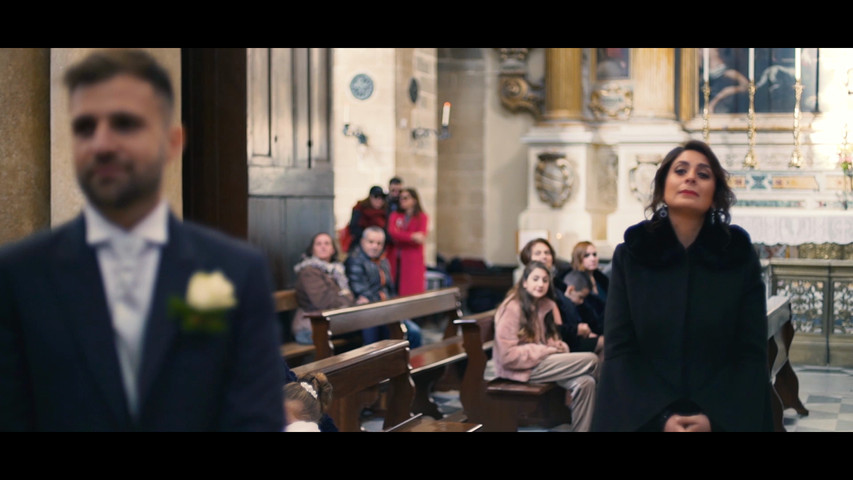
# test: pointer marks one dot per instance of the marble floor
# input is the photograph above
(827, 393)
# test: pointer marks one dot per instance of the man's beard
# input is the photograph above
(140, 185)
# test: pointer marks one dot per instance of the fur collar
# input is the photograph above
(654, 244)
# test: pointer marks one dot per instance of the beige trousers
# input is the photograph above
(577, 373)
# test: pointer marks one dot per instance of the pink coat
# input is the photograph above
(514, 358)
(412, 266)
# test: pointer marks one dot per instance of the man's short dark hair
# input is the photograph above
(103, 65)
(395, 181)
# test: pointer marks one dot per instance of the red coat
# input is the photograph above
(410, 255)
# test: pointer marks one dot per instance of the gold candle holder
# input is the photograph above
(797, 157)
(750, 161)
(706, 113)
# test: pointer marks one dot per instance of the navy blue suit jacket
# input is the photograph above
(59, 369)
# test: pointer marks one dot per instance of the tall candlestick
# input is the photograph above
(751, 64)
(445, 115)
(706, 64)
(797, 64)
(346, 114)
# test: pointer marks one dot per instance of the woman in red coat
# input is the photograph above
(408, 229)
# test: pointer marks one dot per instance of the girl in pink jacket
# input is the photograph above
(528, 347)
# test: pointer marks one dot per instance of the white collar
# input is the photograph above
(153, 227)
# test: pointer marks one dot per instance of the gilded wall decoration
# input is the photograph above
(554, 179)
(612, 101)
(516, 91)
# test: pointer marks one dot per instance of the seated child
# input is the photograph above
(581, 330)
(305, 402)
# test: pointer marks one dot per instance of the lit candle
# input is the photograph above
(346, 114)
(797, 64)
(706, 64)
(445, 115)
(751, 64)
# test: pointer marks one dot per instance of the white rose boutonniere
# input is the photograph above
(209, 297)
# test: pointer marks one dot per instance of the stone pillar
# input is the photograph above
(24, 142)
(654, 82)
(563, 84)
(66, 199)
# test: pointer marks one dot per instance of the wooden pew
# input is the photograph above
(295, 353)
(503, 405)
(357, 373)
(430, 362)
(362, 369)
(786, 387)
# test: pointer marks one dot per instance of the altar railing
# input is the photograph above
(821, 293)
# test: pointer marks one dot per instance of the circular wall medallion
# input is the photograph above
(361, 86)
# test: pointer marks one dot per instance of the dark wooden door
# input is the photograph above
(290, 173)
(213, 103)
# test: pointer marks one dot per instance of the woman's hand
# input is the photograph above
(361, 300)
(557, 344)
(584, 330)
(418, 237)
(688, 423)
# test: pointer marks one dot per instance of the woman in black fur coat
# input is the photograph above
(685, 320)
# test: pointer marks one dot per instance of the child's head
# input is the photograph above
(577, 286)
(307, 398)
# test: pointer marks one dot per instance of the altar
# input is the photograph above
(773, 227)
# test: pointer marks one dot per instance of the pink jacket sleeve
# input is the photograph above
(512, 353)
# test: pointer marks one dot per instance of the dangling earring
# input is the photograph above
(712, 216)
(663, 211)
(722, 216)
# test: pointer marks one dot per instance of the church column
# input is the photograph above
(24, 141)
(559, 155)
(563, 84)
(654, 83)
(641, 145)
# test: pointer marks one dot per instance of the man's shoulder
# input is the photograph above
(37, 244)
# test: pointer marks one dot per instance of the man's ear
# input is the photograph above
(176, 141)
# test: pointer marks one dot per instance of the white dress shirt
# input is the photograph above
(128, 262)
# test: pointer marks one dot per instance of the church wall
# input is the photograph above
(25, 145)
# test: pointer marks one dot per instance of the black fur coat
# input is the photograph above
(685, 327)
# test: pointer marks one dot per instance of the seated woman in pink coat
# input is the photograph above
(408, 230)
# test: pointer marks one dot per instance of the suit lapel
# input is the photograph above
(80, 289)
(176, 265)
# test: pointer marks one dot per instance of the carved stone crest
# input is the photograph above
(554, 179)
(642, 176)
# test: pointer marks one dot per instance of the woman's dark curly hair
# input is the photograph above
(724, 197)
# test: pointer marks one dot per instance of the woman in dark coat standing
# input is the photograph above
(685, 321)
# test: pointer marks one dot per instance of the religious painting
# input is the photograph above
(612, 63)
(774, 71)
